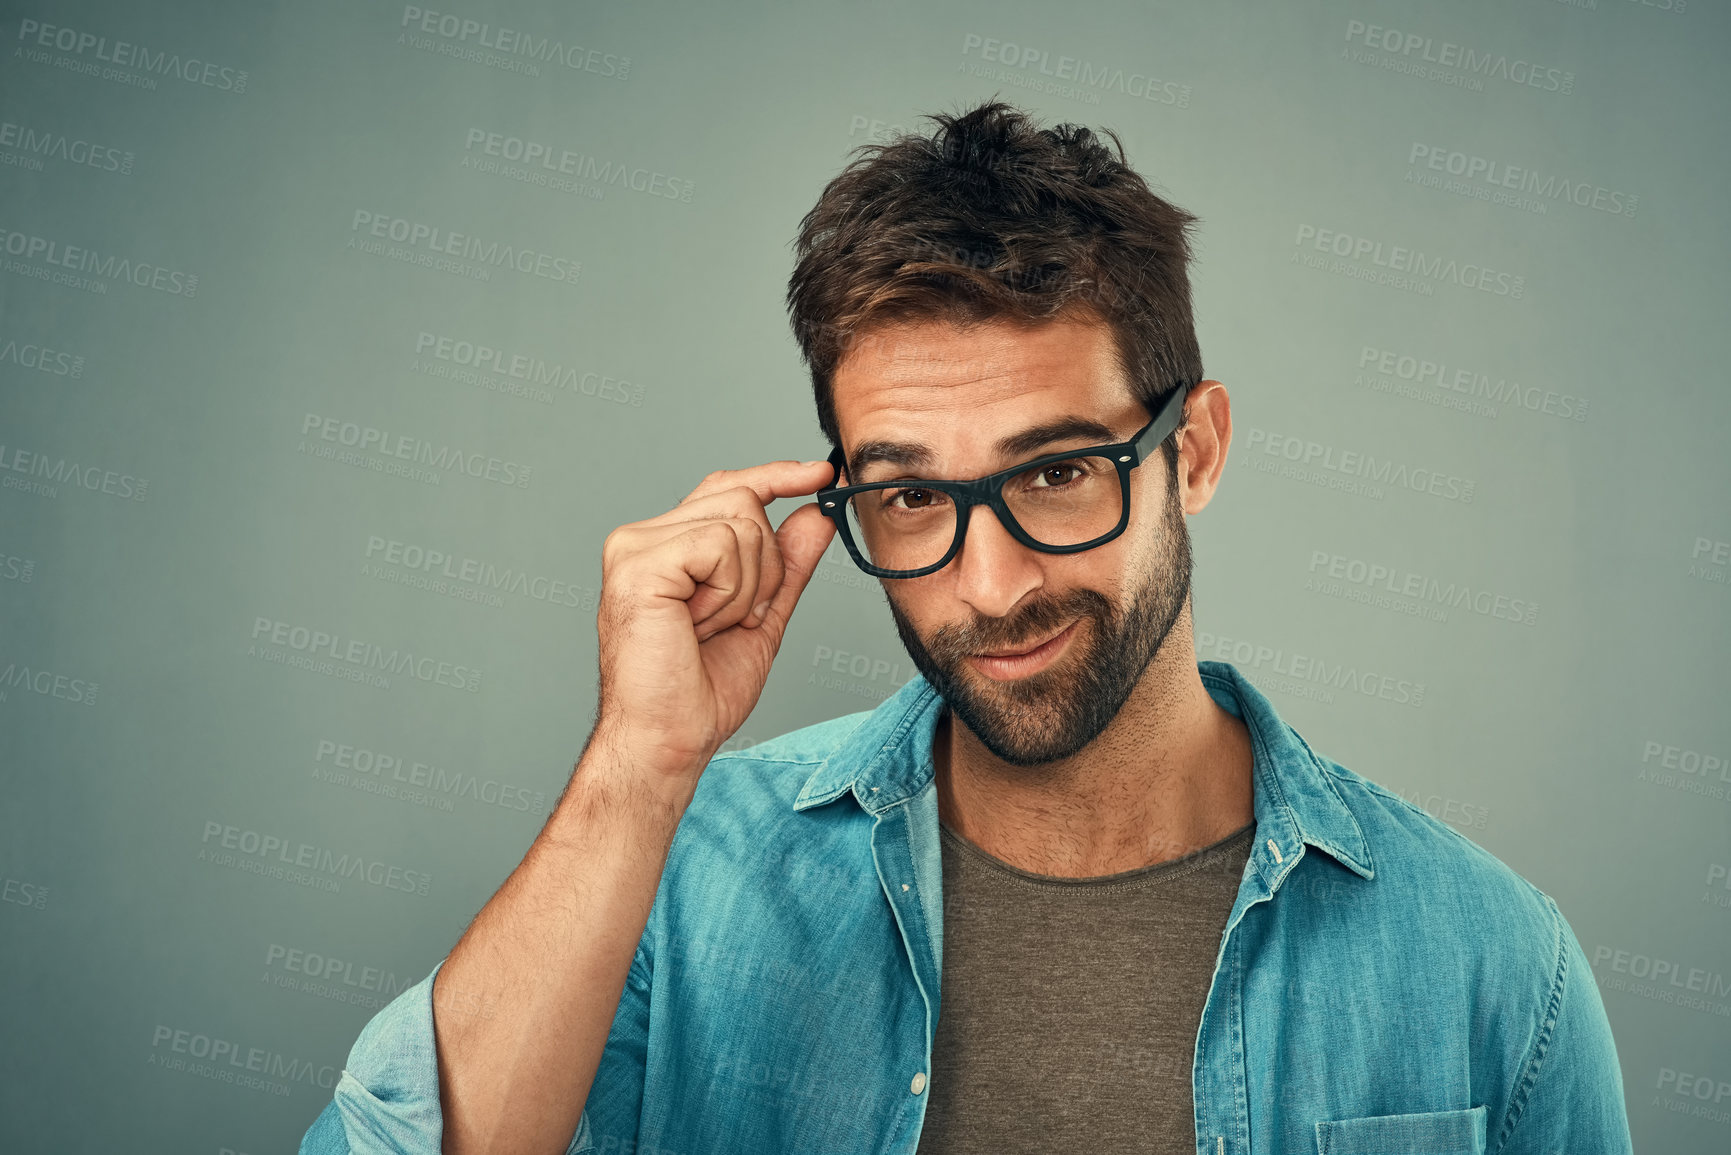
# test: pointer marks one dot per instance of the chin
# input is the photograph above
(1018, 721)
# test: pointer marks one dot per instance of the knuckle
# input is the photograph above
(747, 495)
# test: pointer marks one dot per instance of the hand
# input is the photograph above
(694, 604)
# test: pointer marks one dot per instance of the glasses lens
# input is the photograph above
(902, 527)
(1067, 502)
(906, 527)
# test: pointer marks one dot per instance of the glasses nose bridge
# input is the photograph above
(989, 496)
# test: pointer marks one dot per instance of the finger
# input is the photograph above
(726, 596)
(697, 567)
(772, 571)
(734, 501)
(762, 565)
(768, 482)
(749, 538)
(803, 537)
(739, 502)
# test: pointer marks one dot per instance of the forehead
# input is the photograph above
(961, 389)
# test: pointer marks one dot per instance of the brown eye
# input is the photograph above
(915, 498)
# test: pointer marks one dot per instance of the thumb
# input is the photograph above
(802, 539)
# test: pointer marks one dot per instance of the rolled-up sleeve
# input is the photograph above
(1570, 1096)
(614, 1110)
(387, 1100)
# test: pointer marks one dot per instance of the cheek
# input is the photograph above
(1150, 492)
(918, 606)
(1153, 513)
(1111, 569)
(1122, 569)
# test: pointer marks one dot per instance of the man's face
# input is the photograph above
(1034, 652)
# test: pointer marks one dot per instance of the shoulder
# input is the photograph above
(807, 745)
(741, 828)
(1435, 872)
(759, 783)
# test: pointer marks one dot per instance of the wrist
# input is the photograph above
(629, 763)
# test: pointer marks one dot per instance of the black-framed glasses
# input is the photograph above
(1059, 503)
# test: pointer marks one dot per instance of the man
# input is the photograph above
(1067, 890)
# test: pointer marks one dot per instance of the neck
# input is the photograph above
(1169, 775)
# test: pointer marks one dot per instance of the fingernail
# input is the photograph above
(809, 464)
(762, 611)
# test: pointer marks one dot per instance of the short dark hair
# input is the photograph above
(994, 218)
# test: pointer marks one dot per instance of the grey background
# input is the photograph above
(1579, 748)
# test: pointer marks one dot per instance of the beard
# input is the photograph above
(1054, 713)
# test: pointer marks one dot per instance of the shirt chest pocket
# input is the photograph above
(1431, 1133)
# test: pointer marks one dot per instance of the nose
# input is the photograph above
(993, 571)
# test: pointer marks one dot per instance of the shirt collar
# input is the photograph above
(888, 759)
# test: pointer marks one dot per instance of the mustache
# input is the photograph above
(956, 641)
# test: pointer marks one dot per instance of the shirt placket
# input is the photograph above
(1219, 1080)
(905, 876)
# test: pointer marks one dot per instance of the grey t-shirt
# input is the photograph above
(1070, 1005)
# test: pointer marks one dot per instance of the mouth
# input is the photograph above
(1012, 664)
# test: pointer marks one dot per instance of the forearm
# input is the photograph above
(524, 1003)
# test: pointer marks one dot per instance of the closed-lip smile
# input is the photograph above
(1020, 663)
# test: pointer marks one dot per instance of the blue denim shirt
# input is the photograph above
(1383, 984)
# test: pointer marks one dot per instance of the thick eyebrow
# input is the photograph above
(1015, 447)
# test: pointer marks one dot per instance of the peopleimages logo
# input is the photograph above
(47, 683)
(330, 977)
(94, 51)
(18, 892)
(1687, 1093)
(512, 49)
(1444, 60)
(864, 675)
(1402, 267)
(1067, 76)
(42, 474)
(394, 775)
(440, 355)
(356, 655)
(1659, 757)
(407, 451)
(86, 268)
(874, 128)
(430, 242)
(1351, 470)
(41, 358)
(1710, 561)
(227, 1061)
(1307, 675)
(543, 160)
(1666, 980)
(1465, 388)
(17, 569)
(37, 145)
(1718, 892)
(391, 560)
(1358, 578)
(274, 851)
(1511, 184)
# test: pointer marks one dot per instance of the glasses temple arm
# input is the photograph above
(1165, 421)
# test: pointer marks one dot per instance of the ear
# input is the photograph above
(1203, 440)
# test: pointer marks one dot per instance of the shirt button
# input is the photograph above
(919, 1083)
